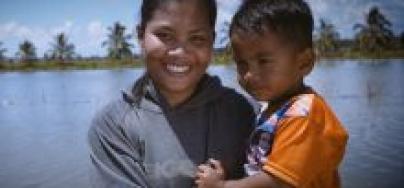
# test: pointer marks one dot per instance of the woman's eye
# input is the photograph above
(199, 40)
(164, 36)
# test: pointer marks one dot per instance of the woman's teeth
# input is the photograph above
(177, 68)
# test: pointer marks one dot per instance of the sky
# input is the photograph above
(86, 21)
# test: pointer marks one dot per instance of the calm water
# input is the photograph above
(44, 117)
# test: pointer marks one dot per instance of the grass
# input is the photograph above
(390, 54)
(219, 58)
(69, 65)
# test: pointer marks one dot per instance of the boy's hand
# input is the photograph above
(210, 175)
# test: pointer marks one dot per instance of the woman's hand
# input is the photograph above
(210, 175)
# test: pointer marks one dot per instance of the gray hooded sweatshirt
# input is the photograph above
(140, 141)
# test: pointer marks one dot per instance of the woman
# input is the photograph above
(175, 117)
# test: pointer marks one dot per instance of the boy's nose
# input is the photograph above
(251, 76)
(252, 73)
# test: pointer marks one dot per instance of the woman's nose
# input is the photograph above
(178, 50)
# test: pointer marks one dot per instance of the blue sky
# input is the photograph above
(86, 21)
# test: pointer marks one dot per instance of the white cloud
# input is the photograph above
(13, 33)
(87, 41)
(66, 28)
(226, 10)
(96, 30)
(13, 29)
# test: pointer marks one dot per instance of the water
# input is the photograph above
(44, 117)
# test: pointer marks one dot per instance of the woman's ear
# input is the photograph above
(306, 60)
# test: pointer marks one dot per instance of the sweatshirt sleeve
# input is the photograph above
(116, 159)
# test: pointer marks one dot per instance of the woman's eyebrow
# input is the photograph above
(165, 28)
(200, 30)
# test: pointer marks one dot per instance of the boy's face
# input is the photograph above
(268, 68)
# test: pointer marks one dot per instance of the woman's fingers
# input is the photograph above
(203, 171)
(217, 166)
(204, 168)
(215, 163)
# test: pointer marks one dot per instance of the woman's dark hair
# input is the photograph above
(290, 19)
(148, 8)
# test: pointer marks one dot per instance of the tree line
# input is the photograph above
(374, 35)
(63, 51)
(373, 38)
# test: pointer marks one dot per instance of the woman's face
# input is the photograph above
(177, 45)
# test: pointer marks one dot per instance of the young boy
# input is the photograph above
(298, 141)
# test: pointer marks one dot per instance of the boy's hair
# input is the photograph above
(148, 8)
(290, 19)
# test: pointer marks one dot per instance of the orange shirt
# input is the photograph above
(308, 145)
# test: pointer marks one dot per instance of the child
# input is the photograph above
(298, 141)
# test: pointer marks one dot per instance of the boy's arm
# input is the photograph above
(212, 176)
(259, 180)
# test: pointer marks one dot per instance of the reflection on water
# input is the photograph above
(44, 117)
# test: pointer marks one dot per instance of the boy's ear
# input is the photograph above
(140, 35)
(306, 60)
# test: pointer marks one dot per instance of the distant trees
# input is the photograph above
(2, 52)
(27, 52)
(61, 50)
(327, 37)
(224, 41)
(375, 34)
(117, 42)
(402, 39)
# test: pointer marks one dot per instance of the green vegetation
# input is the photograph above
(373, 38)
(117, 43)
(328, 38)
(375, 34)
(71, 65)
(2, 51)
(27, 52)
(62, 50)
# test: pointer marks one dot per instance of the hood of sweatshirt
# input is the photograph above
(143, 92)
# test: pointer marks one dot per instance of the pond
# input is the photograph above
(44, 118)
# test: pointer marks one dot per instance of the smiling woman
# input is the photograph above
(178, 46)
(174, 117)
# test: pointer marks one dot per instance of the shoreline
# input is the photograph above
(104, 64)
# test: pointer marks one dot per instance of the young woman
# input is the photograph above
(175, 117)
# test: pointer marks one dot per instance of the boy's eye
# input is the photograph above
(242, 66)
(263, 61)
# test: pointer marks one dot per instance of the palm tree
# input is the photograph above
(328, 37)
(27, 52)
(2, 51)
(376, 33)
(62, 49)
(117, 42)
(402, 39)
